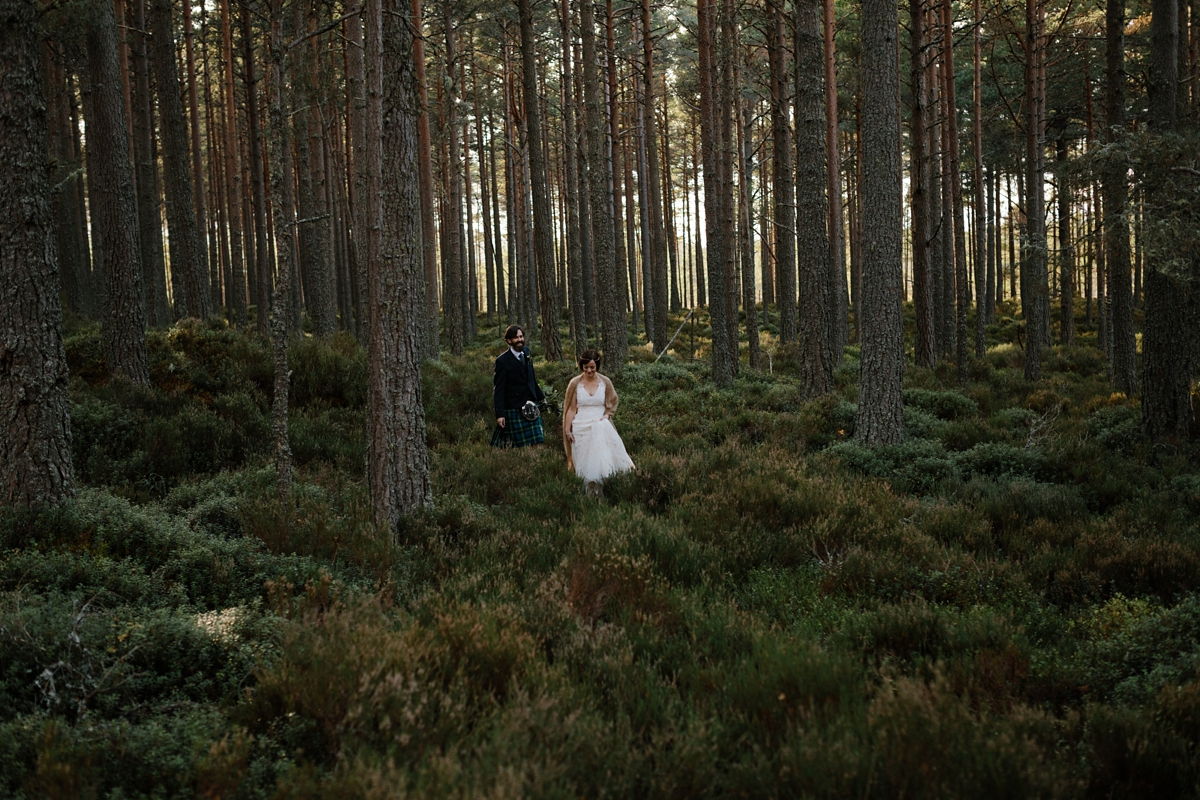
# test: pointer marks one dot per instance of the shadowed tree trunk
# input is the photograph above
(35, 412)
(452, 252)
(961, 296)
(812, 248)
(1066, 250)
(657, 269)
(543, 225)
(280, 155)
(1035, 293)
(1115, 183)
(201, 208)
(839, 330)
(258, 200)
(235, 291)
(187, 255)
(880, 409)
(425, 178)
(923, 345)
(571, 175)
(979, 226)
(784, 188)
(146, 173)
(1169, 335)
(110, 181)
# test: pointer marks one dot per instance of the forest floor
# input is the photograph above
(1004, 606)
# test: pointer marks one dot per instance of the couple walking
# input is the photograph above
(593, 446)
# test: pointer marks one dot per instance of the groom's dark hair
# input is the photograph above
(512, 331)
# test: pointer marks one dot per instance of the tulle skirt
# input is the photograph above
(598, 451)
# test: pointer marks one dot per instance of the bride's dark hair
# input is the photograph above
(589, 355)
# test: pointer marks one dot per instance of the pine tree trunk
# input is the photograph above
(923, 345)
(812, 249)
(657, 268)
(197, 160)
(258, 200)
(431, 300)
(235, 291)
(398, 457)
(187, 255)
(961, 295)
(727, 53)
(616, 165)
(1066, 250)
(784, 186)
(571, 176)
(1169, 334)
(710, 132)
(880, 408)
(840, 292)
(1115, 183)
(612, 310)
(1035, 294)
(979, 228)
(35, 411)
(452, 254)
(543, 225)
(746, 232)
(145, 173)
(110, 181)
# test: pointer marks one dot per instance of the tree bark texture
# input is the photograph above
(923, 344)
(1115, 185)
(146, 178)
(110, 181)
(880, 407)
(812, 248)
(961, 296)
(543, 224)
(656, 270)
(35, 411)
(398, 455)
(783, 191)
(181, 218)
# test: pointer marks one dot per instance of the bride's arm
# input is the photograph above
(610, 398)
(569, 410)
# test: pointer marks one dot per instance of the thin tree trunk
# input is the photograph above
(837, 247)
(657, 268)
(979, 228)
(430, 301)
(710, 133)
(1066, 251)
(962, 297)
(1035, 294)
(258, 199)
(1117, 265)
(235, 292)
(149, 216)
(784, 175)
(201, 208)
(571, 170)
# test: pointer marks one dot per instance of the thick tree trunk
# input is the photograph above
(1169, 335)
(880, 408)
(35, 411)
(923, 345)
(398, 458)
(110, 180)
(543, 225)
(812, 249)
(187, 254)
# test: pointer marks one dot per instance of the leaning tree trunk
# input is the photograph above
(181, 218)
(1115, 185)
(35, 412)
(398, 456)
(880, 408)
(812, 249)
(543, 224)
(110, 181)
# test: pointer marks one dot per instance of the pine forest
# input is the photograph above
(901, 301)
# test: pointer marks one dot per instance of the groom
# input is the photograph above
(513, 385)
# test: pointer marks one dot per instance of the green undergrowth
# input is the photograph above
(1006, 605)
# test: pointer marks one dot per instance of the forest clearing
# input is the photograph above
(900, 304)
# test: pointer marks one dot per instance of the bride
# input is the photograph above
(594, 448)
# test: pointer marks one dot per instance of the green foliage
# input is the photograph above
(1003, 605)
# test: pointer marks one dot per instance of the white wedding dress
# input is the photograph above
(598, 450)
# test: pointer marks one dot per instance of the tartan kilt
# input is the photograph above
(518, 431)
